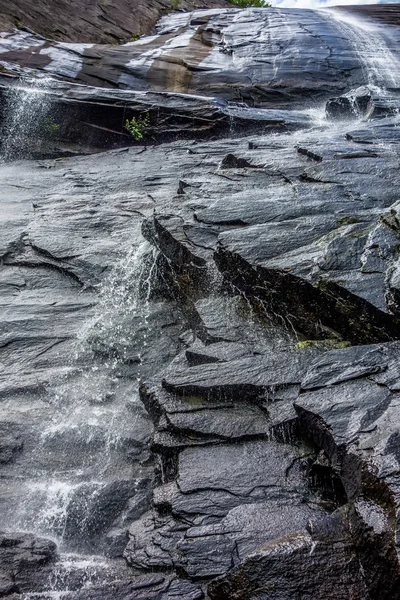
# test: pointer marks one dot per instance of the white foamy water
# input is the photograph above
(380, 64)
(28, 107)
(81, 452)
(123, 299)
(74, 572)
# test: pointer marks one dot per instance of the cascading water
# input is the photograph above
(28, 117)
(380, 66)
(88, 476)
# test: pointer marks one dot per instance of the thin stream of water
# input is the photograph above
(80, 456)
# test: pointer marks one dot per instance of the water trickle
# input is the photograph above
(123, 300)
(74, 572)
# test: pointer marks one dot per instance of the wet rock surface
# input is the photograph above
(77, 21)
(24, 559)
(213, 412)
(254, 56)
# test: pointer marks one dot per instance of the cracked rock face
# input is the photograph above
(210, 410)
(269, 58)
(102, 23)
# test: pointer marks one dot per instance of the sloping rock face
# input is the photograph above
(256, 56)
(386, 14)
(94, 22)
(210, 411)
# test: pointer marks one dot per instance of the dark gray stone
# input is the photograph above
(300, 565)
(352, 105)
(241, 379)
(79, 22)
(353, 417)
(304, 229)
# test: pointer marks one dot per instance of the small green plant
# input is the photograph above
(329, 344)
(348, 220)
(176, 4)
(137, 126)
(51, 127)
(250, 3)
(135, 37)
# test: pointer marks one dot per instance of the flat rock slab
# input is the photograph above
(101, 24)
(241, 379)
(214, 516)
(257, 464)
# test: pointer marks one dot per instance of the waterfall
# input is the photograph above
(124, 298)
(27, 117)
(379, 64)
(82, 464)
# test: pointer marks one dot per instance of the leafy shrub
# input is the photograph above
(137, 126)
(51, 127)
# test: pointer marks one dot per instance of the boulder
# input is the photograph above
(349, 408)
(318, 564)
(352, 105)
(212, 53)
(25, 562)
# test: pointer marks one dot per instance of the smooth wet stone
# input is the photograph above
(10, 443)
(199, 354)
(257, 464)
(321, 272)
(223, 53)
(243, 531)
(299, 204)
(231, 319)
(351, 105)
(343, 365)
(209, 519)
(230, 423)
(144, 587)
(25, 561)
(93, 508)
(245, 378)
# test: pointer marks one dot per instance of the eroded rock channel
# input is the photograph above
(200, 328)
